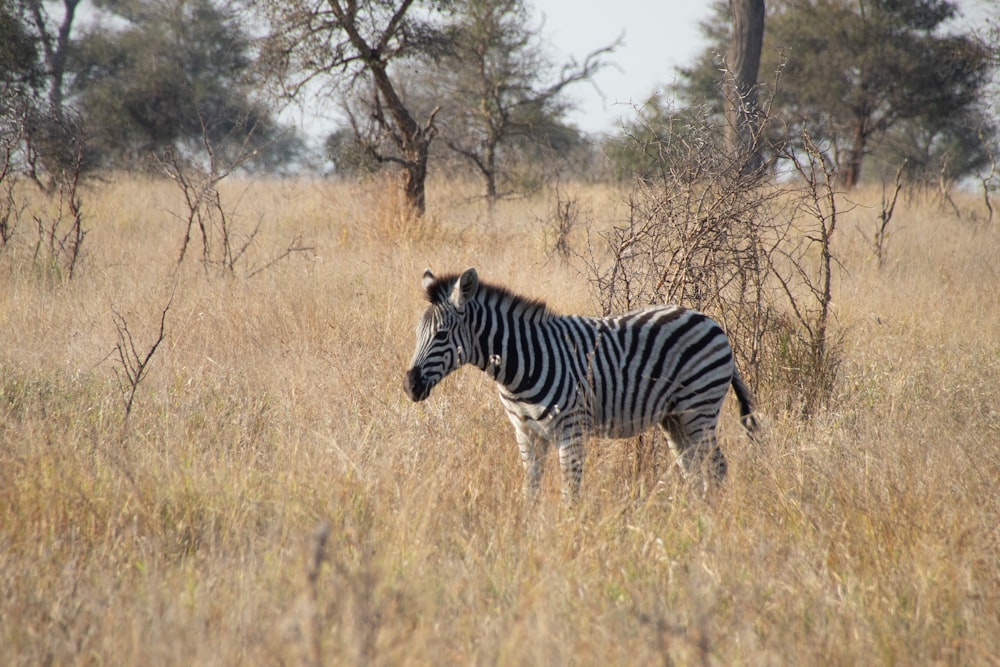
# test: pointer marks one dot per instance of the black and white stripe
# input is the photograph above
(564, 378)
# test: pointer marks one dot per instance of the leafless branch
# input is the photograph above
(880, 236)
(294, 247)
(988, 180)
(134, 363)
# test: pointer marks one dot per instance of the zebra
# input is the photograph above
(564, 378)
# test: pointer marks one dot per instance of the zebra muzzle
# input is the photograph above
(415, 386)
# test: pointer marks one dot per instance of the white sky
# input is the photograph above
(659, 36)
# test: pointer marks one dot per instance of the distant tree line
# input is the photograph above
(879, 82)
(468, 85)
(140, 77)
(465, 81)
(458, 81)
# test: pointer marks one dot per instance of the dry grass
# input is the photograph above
(273, 417)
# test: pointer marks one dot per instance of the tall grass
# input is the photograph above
(274, 498)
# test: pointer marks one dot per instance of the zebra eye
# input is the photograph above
(441, 334)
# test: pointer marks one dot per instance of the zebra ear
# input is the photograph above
(427, 281)
(465, 288)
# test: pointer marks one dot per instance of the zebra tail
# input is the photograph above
(746, 404)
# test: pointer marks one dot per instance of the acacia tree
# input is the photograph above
(345, 44)
(885, 65)
(172, 74)
(493, 88)
(858, 74)
(50, 135)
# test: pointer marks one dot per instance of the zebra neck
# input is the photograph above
(509, 341)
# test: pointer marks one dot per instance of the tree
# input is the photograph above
(55, 42)
(50, 138)
(858, 73)
(349, 43)
(172, 75)
(20, 71)
(492, 87)
(739, 82)
(883, 64)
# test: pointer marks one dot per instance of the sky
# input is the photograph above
(659, 36)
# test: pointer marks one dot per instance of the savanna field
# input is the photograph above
(273, 497)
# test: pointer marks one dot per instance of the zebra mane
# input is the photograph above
(439, 291)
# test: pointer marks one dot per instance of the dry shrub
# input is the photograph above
(562, 224)
(696, 242)
(747, 249)
(55, 205)
(227, 239)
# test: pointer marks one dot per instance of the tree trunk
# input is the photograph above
(412, 140)
(56, 49)
(414, 179)
(740, 82)
(850, 173)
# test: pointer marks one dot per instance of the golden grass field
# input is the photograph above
(273, 416)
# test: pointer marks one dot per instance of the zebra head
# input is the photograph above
(444, 337)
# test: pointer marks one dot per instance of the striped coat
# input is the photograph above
(562, 379)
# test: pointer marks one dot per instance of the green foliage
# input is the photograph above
(19, 58)
(478, 69)
(877, 78)
(872, 68)
(491, 83)
(177, 73)
(350, 156)
(507, 101)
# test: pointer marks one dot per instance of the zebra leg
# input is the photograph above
(710, 455)
(695, 446)
(571, 455)
(533, 451)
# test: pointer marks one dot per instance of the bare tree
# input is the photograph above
(740, 81)
(812, 351)
(881, 233)
(60, 230)
(493, 84)
(346, 43)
